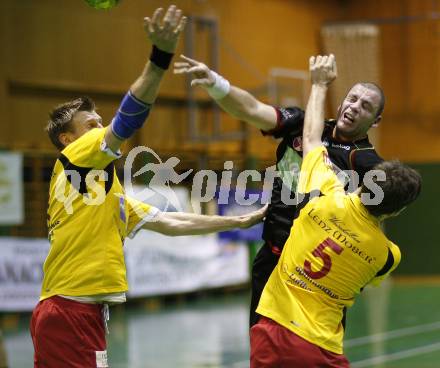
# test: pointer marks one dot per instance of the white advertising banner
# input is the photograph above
(21, 272)
(11, 188)
(159, 264)
(156, 265)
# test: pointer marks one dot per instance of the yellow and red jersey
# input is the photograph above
(335, 248)
(89, 217)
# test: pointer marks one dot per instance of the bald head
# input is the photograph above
(360, 110)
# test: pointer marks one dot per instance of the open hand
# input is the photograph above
(203, 76)
(164, 32)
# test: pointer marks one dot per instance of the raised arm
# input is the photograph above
(182, 223)
(322, 73)
(235, 101)
(164, 35)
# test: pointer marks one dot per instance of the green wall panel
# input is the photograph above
(417, 229)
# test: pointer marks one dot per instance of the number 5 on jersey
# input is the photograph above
(319, 253)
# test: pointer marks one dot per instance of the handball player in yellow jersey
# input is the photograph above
(347, 145)
(335, 248)
(89, 215)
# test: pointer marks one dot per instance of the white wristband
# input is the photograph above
(220, 88)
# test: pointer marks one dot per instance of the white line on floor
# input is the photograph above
(383, 336)
(396, 356)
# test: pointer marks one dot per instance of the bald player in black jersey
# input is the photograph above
(345, 138)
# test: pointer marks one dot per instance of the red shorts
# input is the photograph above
(273, 345)
(70, 334)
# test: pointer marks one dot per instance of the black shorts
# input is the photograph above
(263, 265)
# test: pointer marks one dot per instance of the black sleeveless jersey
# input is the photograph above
(358, 156)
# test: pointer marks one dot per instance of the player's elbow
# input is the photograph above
(176, 227)
(173, 228)
(245, 109)
(166, 224)
(244, 113)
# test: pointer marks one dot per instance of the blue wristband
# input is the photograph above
(131, 116)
